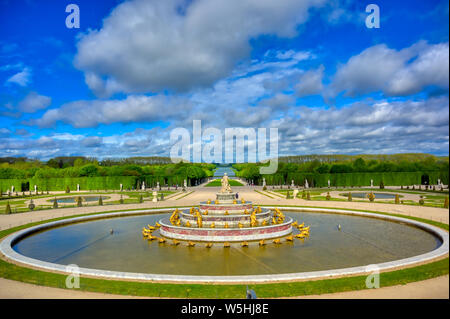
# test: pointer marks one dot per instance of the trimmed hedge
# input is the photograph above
(89, 183)
(358, 179)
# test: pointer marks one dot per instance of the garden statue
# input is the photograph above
(225, 184)
(155, 197)
(306, 183)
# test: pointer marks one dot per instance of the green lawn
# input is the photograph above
(218, 183)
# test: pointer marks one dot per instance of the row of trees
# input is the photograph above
(64, 171)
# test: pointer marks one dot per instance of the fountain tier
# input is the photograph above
(226, 219)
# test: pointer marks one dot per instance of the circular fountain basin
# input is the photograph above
(364, 239)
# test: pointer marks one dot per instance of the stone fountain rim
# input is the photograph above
(7, 250)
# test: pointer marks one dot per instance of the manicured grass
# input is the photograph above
(265, 194)
(397, 277)
(218, 183)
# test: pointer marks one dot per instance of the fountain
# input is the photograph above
(225, 220)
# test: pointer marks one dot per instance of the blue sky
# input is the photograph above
(135, 70)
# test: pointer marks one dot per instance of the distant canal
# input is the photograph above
(221, 170)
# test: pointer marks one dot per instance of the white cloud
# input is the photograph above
(310, 82)
(134, 108)
(22, 78)
(148, 46)
(34, 102)
(399, 73)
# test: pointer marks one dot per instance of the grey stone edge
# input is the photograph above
(9, 241)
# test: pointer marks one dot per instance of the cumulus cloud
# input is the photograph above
(396, 73)
(310, 82)
(361, 127)
(150, 46)
(135, 108)
(22, 78)
(367, 127)
(34, 102)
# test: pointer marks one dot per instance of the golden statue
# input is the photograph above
(280, 217)
(199, 219)
(174, 217)
(253, 221)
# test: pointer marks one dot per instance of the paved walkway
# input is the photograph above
(433, 288)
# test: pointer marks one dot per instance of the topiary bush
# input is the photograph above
(141, 199)
(79, 201)
(67, 189)
(349, 197)
(121, 199)
(100, 201)
(421, 201)
(397, 199)
(381, 184)
(55, 203)
(328, 197)
(8, 208)
(31, 205)
(308, 196)
(446, 202)
(264, 188)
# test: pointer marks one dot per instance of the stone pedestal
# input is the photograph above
(226, 197)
